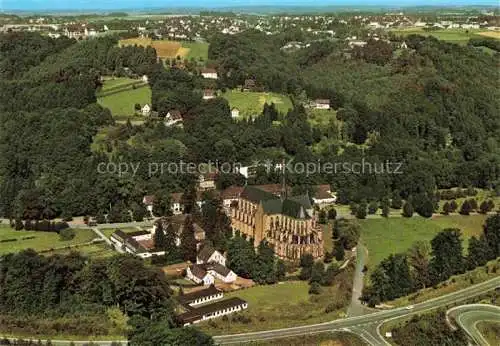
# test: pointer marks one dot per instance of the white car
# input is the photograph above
(410, 307)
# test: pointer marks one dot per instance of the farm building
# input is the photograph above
(214, 310)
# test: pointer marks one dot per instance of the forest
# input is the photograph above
(434, 107)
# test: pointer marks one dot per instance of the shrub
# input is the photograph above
(372, 207)
(408, 209)
(67, 234)
(315, 288)
(332, 214)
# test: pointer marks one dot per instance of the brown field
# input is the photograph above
(164, 49)
(492, 34)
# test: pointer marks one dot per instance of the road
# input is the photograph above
(106, 239)
(356, 308)
(367, 326)
(468, 316)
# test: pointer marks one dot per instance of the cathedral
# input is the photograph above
(287, 223)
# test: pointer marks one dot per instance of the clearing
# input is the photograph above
(459, 36)
(250, 103)
(388, 236)
(120, 95)
(39, 240)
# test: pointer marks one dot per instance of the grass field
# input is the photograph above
(251, 103)
(490, 330)
(460, 36)
(121, 104)
(492, 34)
(281, 305)
(42, 240)
(172, 49)
(383, 237)
(98, 250)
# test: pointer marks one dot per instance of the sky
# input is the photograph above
(38, 5)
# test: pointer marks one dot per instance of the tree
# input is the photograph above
(322, 217)
(241, 256)
(372, 207)
(425, 207)
(361, 211)
(137, 107)
(447, 258)
(453, 206)
(466, 208)
(486, 206)
(386, 210)
(306, 263)
(188, 199)
(280, 270)
(339, 251)
(446, 208)
(317, 272)
(418, 258)
(478, 252)
(349, 232)
(159, 238)
(264, 265)
(491, 230)
(330, 274)
(160, 206)
(397, 201)
(138, 211)
(188, 241)
(332, 213)
(407, 209)
(315, 288)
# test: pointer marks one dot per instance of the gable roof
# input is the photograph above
(198, 271)
(256, 195)
(323, 192)
(191, 297)
(218, 268)
(205, 252)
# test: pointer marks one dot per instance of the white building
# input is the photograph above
(146, 110)
(235, 113)
(208, 254)
(209, 73)
(322, 104)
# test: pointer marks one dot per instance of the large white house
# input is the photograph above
(208, 254)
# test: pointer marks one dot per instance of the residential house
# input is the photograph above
(235, 113)
(322, 104)
(209, 73)
(146, 110)
(148, 202)
(176, 202)
(206, 181)
(249, 84)
(323, 196)
(230, 195)
(176, 223)
(173, 117)
(139, 243)
(208, 254)
(199, 275)
(208, 94)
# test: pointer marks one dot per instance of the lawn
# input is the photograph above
(195, 50)
(250, 104)
(111, 83)
(98, 250)
(122, 103)
(281, 305)
(41, 240)
(460, 36)
(383, 237)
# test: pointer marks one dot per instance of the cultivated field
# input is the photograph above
(492, 34)
(171, 49)
(121, 94)
(250, 104)
(383, 237)
(39, 240)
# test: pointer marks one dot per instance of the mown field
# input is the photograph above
(323, 339)
(172, 49)
(281, 305)
(120, 95)
(39, 240)
(250, 104)
(460, 36)
(383, 237)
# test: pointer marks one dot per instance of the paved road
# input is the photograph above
(366, 326)
(356, 308)
(468, 316)
(106, 239)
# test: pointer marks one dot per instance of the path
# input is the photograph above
(356, 308)
(106, 239)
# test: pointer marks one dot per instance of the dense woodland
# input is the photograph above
(434, 107)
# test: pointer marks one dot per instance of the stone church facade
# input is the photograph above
(287, 223)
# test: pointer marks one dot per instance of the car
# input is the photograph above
(410, 307)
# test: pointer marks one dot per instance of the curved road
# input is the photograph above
(468, 316)
(366, 326)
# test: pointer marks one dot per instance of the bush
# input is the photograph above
(67, 234)
(408, 209)
(372, 207)
(361, 211)
(315, 288)
(332, 214)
